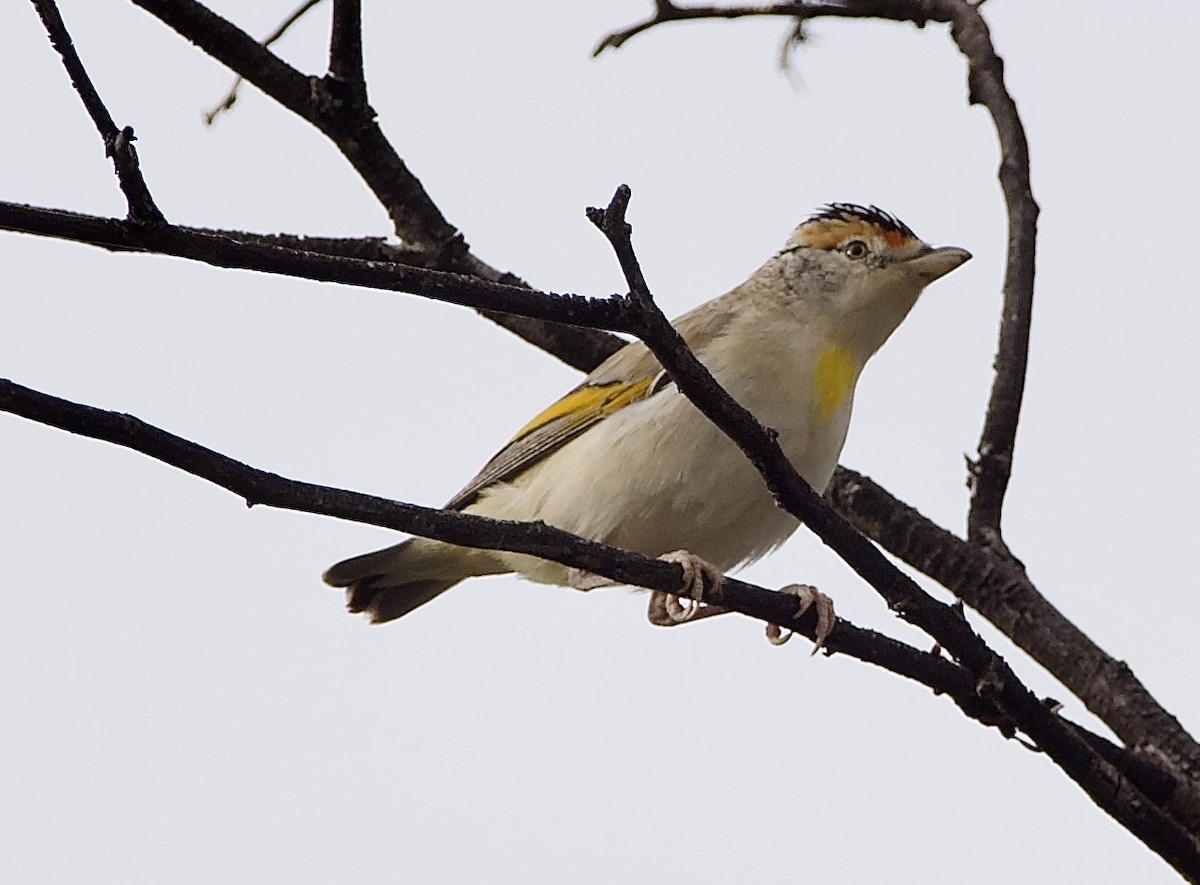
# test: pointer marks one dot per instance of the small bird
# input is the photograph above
(627, 460)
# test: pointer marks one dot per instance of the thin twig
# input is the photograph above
(232, 95)
(665, 12)
(118, 142)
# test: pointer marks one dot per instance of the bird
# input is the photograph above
(624, 458)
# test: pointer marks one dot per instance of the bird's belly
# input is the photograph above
(657, 477)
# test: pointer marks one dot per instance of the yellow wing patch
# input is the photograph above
(589, 400)
(558, 425)
(834, 380)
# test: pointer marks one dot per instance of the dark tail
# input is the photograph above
(389, 583)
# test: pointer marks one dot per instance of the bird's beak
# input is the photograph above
(934, 263)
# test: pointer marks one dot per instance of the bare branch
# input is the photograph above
(581, 346)
(118, 143)
(985, 78)
(1000, 590)
(1106, 786)
(665, 11)
(225, 251)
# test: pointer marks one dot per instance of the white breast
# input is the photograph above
(658, 476)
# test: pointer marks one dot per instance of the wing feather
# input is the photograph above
(629, 375)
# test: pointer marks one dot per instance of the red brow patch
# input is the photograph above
(894, 237)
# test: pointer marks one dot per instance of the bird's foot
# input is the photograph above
(809, 597)
(668, 609)
(578, 579)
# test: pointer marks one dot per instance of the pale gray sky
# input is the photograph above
(184, 701)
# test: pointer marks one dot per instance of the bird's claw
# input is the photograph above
(808, 597)
(668, 609)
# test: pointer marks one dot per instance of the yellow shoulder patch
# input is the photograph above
(588, 401)
(834, 380)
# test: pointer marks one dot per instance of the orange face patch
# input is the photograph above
(828, 233)
(836, 224)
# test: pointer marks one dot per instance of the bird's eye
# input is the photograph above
(856, 249)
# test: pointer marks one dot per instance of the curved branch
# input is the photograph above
(985, 79)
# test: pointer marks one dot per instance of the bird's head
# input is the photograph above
(861, 269)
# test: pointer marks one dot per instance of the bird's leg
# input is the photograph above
(809, 597)
(667, 609)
